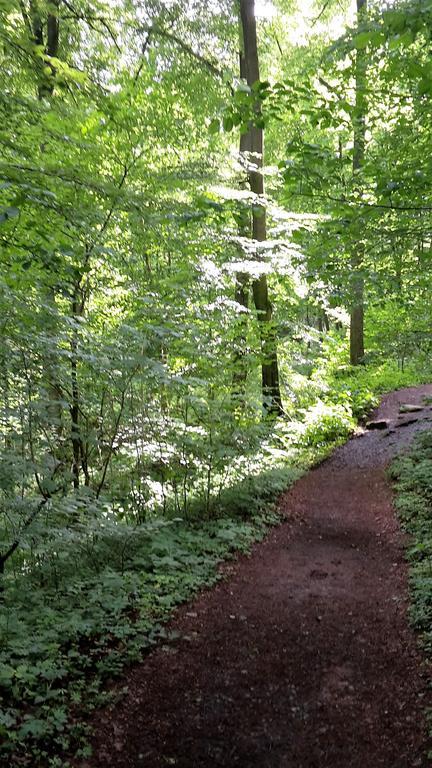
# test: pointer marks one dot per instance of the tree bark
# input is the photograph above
(47, 38)
(45, 35)
(240, 362)
(357, 259)
(242, 282)
(253, 143)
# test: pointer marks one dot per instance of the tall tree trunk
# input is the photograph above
(77, 306)
(79, 448)
(46, 38)
(357, 259)
(45, 34)
(242, 282)
(253, 141)
(240, 361)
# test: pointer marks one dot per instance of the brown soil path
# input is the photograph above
(303, 658)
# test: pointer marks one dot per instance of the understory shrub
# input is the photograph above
(412, 474)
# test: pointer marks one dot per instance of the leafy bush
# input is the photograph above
(327, 423)
(359, 388)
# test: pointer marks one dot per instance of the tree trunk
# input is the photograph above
(46, 36)
(242, 282)
(48, 41)
(359, 131)
(240, 361)
(253, 141)
(75, 404)
(79, 451)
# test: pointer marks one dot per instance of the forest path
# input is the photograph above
(303, 657)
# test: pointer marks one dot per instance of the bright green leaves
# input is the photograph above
(395, 28)
(395, 20)
(401, 41)
(362, 40)
(245, 108)
(228, 122)
(259, 104)
(214, 126)
(371, 37)
(402, 26)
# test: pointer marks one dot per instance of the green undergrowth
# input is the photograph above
(99, 592)
(359, 389)
(61, 643)
(412, 473)
(99, 601)
(412, 476)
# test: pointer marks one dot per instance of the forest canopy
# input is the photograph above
(215, 243)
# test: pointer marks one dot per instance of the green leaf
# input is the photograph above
(362, 40)
(214, 126)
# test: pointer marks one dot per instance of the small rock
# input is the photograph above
(377, 424)
(408, 408)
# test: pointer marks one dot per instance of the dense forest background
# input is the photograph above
(189, 316)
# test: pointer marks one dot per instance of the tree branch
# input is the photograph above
(207, 63)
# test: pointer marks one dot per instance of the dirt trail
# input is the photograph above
(303, 658)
